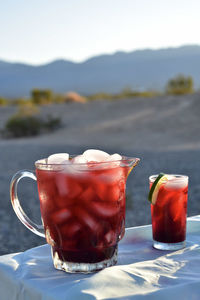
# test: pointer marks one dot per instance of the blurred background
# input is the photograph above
(120, 76)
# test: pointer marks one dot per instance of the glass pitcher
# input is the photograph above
(82, 208)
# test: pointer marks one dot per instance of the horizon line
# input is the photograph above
(95, 55)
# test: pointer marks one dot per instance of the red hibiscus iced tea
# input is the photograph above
(83, 210)
(82, 201)
(169, 213)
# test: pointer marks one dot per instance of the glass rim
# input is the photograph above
(177, 177)
(128, 161)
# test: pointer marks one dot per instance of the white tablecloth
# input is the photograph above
(141, 273)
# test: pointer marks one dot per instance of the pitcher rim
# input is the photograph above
(130, 161)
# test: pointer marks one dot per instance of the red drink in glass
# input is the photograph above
(169, 213)
(83, 211)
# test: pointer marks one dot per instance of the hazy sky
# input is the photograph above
(38, 31)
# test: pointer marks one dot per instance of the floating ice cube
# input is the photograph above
(68, 232)
(76, 166)
(68, 186)
(176, 182)
(107, 191)
(110, 238)
(105, 209)
(87, 218)
(58, 158)
(112, 175)
(79, 159)
(95, 155)
(114, 157)
(61, 216)
(87, 196)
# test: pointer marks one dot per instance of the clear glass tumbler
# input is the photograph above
(169, 213)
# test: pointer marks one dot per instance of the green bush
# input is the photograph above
(29, 125)
(18, 126)
(125, 93)
(19, 101)
(3, 102)
(180, 85)
(100, 96)
(41, 96)
(58, 98)
(52, 123)
(27, 108)
(129, 93)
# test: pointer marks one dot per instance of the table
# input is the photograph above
(142, 272)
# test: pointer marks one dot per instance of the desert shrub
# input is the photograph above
(100, 96)
(19, 101)
(3, 102)
(52, 123)
(18, 126)
(40, 97)
(129, 93)
(27, 108)
(29, 125)
(180, 85)
(27, 122)
(125, 93)
(58, 98)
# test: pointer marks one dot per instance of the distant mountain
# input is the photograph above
(142, 69)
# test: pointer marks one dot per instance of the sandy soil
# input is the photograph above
(164, 132)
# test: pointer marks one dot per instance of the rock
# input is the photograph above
(74, 97)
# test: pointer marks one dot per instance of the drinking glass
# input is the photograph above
(169, 213)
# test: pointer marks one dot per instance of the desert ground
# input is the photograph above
(164, 132)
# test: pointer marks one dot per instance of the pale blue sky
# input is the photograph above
(39, 31)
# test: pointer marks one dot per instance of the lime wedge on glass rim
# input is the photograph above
(153, 193)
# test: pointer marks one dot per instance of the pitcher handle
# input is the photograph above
(35, 228)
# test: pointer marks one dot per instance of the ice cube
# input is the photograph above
(61, 216)
(95, 155)
(112, 175)
(177, 183)
(58, 158)
(68, 187)
(177, 209)
(87, 196)
(108, 192)
(69, 230)
(114, 157)
(79, 159)
(87, 219)
(110, 238)
(105, 209)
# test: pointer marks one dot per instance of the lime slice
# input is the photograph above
(153, 193)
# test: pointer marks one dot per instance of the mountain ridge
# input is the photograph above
(139, 69)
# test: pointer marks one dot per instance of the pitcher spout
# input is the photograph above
(130, 163)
